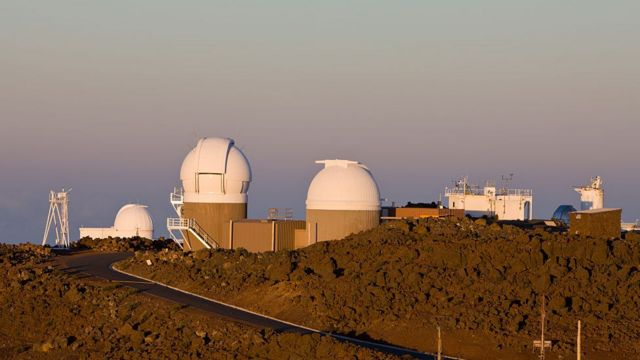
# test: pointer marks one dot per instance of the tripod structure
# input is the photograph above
(58, 218)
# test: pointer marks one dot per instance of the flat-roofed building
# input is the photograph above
(597, 223)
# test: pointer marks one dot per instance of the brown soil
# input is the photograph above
(49, 314)
(482, 284)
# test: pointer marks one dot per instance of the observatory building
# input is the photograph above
(504, 203)
(343, 199)
(131, 220)
(215, 179)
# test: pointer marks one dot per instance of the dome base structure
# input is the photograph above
(343, 199)
(214, 219)
(325, 225)
(132, 220)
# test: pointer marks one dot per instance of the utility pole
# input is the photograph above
(578, 342)
(439, 344)
(542, 343)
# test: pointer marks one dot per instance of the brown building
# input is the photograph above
(598, 223)
(213, 219)
(264, 235)
(413, 212)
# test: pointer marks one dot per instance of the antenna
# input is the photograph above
(439, 344)
(506, 181)
(542, 343)
(579, 341)
(58, 216)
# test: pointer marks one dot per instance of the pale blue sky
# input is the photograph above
(108, 97)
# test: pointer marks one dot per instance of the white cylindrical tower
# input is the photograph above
(343, 199)
(592, 195)
(215, 176)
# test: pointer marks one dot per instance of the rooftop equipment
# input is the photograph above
(592, 195)
(503, 203)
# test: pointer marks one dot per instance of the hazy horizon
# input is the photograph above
(108, 97)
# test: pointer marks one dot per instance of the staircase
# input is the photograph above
(191, 226)
(176, 198)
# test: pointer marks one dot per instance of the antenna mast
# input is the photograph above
(58, 217)
(542, 343)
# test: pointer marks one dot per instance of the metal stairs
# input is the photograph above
(183, 226)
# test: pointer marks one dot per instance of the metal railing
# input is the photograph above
(480, 191)
(176, 197)
(514, 192)
(194, 228)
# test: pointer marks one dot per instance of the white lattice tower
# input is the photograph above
(58, 218)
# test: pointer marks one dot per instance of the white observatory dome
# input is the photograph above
(343, 185)
(133, 220)
(215, 171)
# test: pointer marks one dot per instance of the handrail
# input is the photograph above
(480, 191)
(195, 228)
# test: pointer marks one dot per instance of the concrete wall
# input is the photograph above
(265, 235)
(601, 224)
(324, 225)
(214, 218)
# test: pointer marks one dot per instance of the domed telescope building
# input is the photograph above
(215, 178)
(131, 220)
(343, 199)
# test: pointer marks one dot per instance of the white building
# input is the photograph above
(503, 203)
(592, 195)
(132, 220)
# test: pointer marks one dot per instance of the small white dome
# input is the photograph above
(343, 185)
(215, 171)
(134, 219)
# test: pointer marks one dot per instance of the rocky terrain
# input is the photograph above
(123, 245)
(47, 313)
(482, 284)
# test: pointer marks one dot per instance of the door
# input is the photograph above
(210, 183)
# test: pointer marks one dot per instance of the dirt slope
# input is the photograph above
(48, 314)
(396, 283)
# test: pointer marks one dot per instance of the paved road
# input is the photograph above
(99, 265)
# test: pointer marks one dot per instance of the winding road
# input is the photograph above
(99, 265)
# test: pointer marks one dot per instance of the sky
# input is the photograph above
(107, 97)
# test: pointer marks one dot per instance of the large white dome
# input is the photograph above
(215, 171)
(134, 219)
(343, 185)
